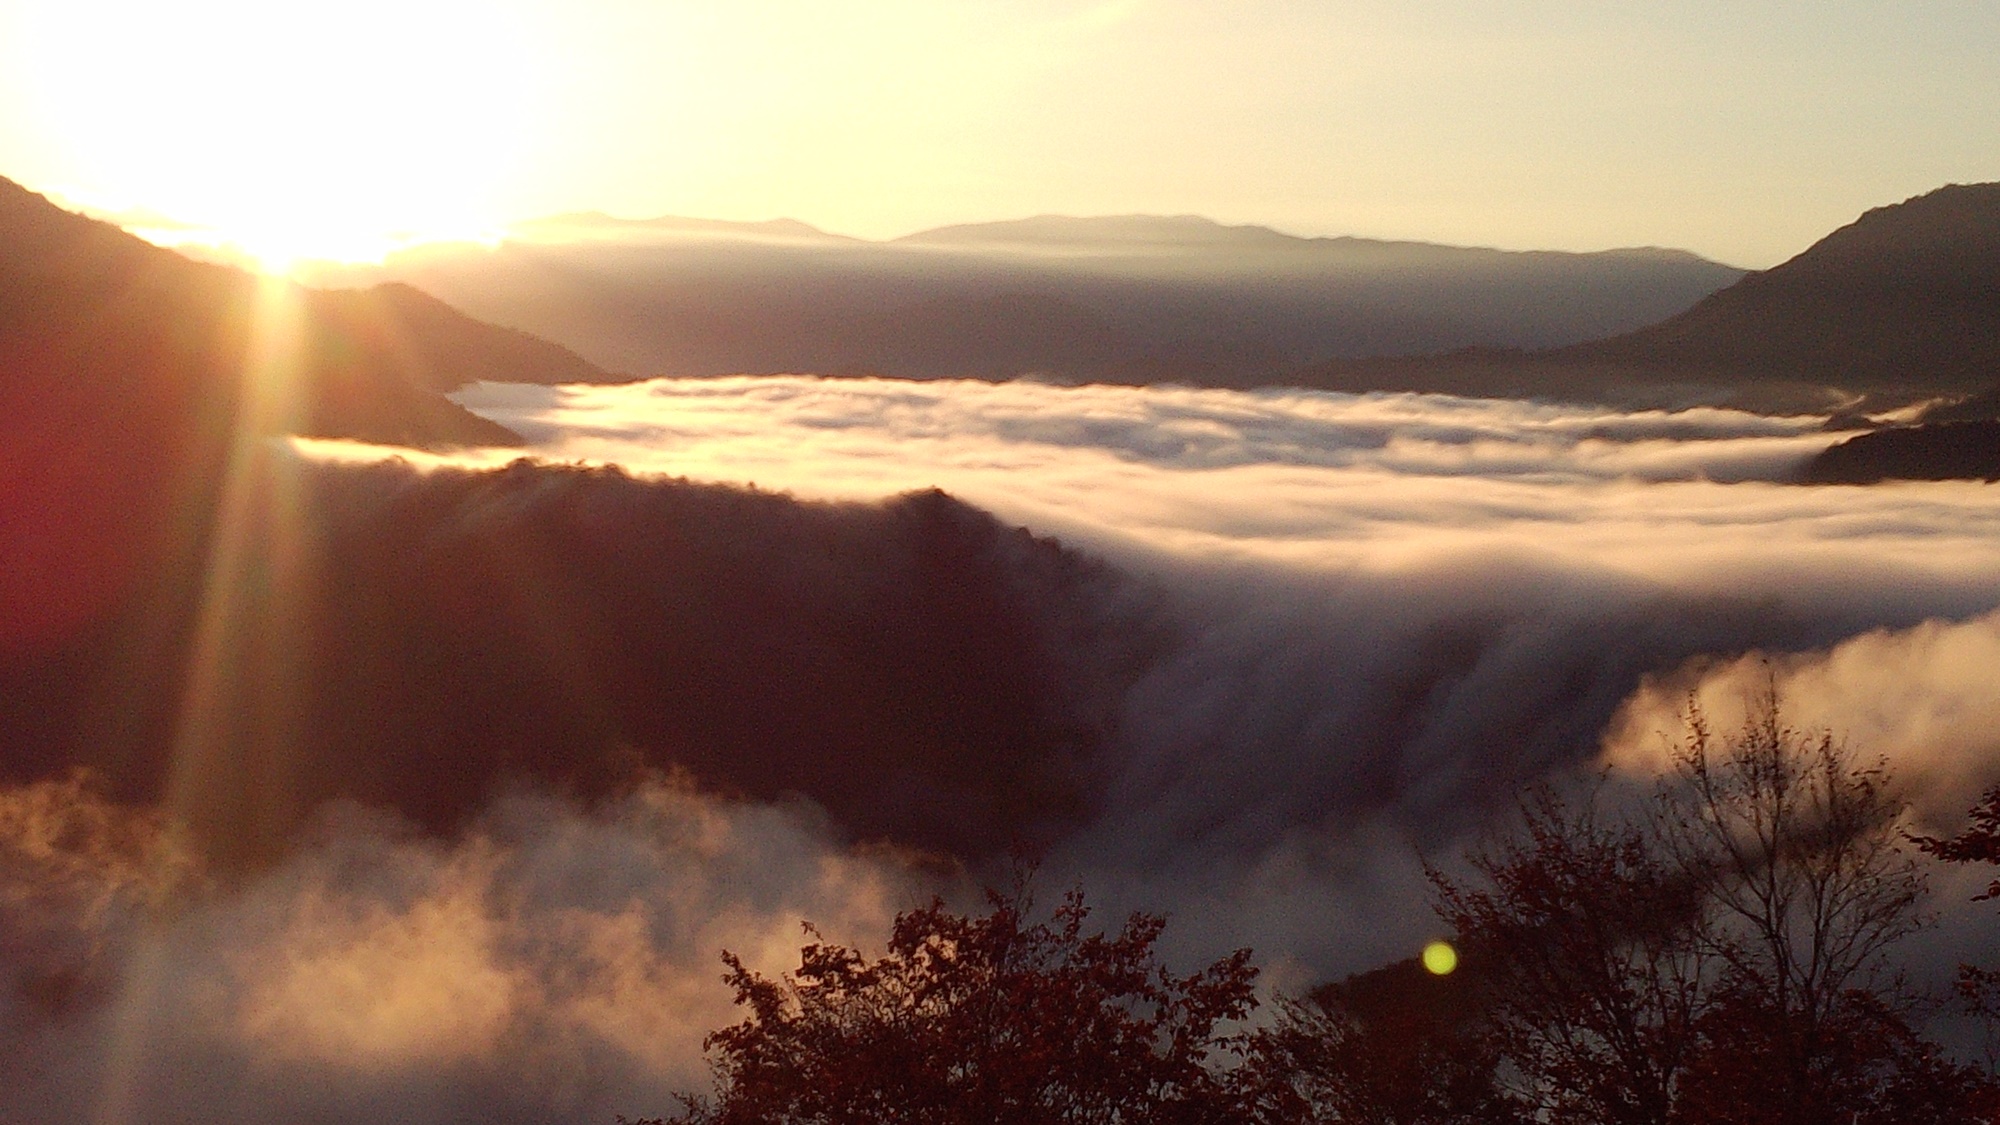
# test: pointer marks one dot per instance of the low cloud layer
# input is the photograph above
(1311, 481)
(1290, 644)
(1394, 608)
(1924, 700)
(547, 965)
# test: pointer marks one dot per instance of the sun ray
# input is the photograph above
(235, 728)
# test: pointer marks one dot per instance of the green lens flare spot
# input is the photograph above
(1440, 958)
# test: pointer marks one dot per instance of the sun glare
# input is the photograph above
(281, 245)
(282, 132)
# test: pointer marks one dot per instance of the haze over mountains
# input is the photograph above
(83, 306)
(1903, 303)
(1132, 299)
(132, 375)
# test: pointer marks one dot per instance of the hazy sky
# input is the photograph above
(1740, 130)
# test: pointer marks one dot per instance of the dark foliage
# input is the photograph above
(1977, 842)
(1860, 1063)
(991, 1020)
(1809, 889)
(1594, 943)
(1722, 955)
(1394, 1046)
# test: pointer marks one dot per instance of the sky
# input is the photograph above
(1742, 131)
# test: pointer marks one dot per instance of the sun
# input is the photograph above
(295, 131)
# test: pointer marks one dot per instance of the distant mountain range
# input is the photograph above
(1902, 304)
(107, 339)
(1131, 299)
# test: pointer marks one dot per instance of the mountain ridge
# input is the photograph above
(127, 398)
(1130, 299)
(1901, 305)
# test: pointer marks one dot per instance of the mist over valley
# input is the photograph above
(1124, 299)
(413, 747)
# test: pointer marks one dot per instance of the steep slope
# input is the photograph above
(920, 670)
(86, 308)
(129, 375)
(1906, 296)
(1902, 303)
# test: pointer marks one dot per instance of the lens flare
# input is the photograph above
(1440, 958)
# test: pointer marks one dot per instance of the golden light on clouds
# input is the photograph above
(369, 984)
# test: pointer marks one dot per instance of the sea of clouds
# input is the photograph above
(1388, 612)
(1400, 607)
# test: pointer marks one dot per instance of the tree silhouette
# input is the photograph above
(982, 1020)
(1721, 953)
(1809, 886)
(1594, 942)
(1977, 842)
(1393, 1046)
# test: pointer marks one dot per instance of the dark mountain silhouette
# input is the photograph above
(1981, 407)
(1933, 451)
(1901, 304)
(87, 307)
(436, 347)
(923, 672)
(129, 375)
(1126, 299)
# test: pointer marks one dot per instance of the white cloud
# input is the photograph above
(1386, 611)
(1301, 479)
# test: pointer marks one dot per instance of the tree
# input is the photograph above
(1720, 954)
(1809, 887)
(1977, 842)
(984, 1021)
(1592, 940)
(1393, 1046)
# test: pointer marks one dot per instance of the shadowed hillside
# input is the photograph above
(88, 309)
(1936, 451)
(1902, 303)
(129, 374)
(420, 641)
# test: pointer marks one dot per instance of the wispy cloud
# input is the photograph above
(1313, 481)
(550, 965)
